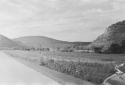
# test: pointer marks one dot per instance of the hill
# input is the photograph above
(39, 42)
(6, 43)
(42, 42)
(112, 40)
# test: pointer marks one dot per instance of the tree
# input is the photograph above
(97, 49)
(115, 48)
(123, 46)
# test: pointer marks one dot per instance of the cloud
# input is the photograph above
(119, 4)
(95, 1)
(55, 18)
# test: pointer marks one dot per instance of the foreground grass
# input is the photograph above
(92, 72)
(85, 67)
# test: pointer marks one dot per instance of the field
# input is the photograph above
(87, 66)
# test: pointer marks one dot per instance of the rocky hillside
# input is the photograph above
(112, 40)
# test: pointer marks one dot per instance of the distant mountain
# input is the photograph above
(45, 42)
(42, 42)
(39, 43)
(112, 40)
(6, 43)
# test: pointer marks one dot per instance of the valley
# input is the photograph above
(89, 63)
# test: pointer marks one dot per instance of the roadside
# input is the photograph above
(114, 80)
(13, 72)
(118, 78)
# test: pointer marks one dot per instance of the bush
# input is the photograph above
(97, 49)
(115, 48)
(112, 48)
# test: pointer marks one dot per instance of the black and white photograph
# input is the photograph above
(62, 42)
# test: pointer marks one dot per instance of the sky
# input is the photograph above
(68, 20)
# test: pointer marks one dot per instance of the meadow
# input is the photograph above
(91, 67)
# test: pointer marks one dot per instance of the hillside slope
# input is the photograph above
(6, 43)
(45, 42)
(42, 42)
(112, 40)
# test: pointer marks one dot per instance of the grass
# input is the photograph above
(87, 66)
(76, 56)
(93, 72)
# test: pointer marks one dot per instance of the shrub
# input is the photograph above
(115, 48)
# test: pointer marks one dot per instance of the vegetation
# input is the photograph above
(93, 72)
(113, 48)
(97, 49)
(112, 40)
(87, 66)
(36, 49)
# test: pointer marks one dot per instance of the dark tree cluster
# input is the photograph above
(37, 49)
(113, 48)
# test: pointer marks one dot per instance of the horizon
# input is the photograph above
(67, 20)
(39, 36)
